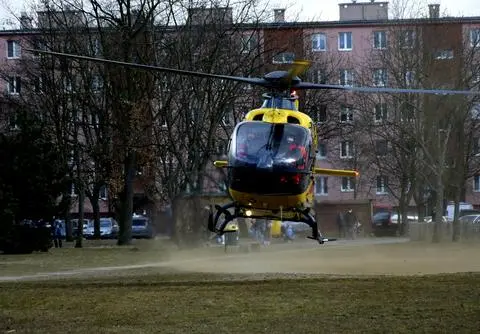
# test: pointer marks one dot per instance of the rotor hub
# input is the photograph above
(281, 80)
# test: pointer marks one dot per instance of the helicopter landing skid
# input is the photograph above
(310, 221)
(213, 220)
(228, 217)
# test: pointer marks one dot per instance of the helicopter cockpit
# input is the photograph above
(279, 155)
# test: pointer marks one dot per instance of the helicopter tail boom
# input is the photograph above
(335, 172)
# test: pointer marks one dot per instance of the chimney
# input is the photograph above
(434, 11)
(279, 15)
(25, 21)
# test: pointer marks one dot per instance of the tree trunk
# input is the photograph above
(456, 223)
(81, 200)
(96, 215)
(403, 217)
(438, 219)
(68, 221)
(125, 224)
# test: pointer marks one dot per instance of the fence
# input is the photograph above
(424, 231)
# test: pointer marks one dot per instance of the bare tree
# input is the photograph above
(194, 117)
(422, 130)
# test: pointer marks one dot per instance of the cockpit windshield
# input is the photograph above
(271, 146)
(280, 103)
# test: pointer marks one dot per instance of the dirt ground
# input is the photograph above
(382, 256)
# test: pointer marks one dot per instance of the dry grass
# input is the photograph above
(205, 303)
(289, 288)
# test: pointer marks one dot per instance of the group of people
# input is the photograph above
(348, 224)
(260, 230)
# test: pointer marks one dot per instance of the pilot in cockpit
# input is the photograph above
(297, 151)
(246, 145)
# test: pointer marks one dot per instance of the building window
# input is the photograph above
(321, 186)
(381, 185)
(73, 190)
(379, 39)
(284, 58)
(96, 47)
(346, 77)
(322, 151)
(97, 83)
(380, 112)
(13, 49)
(443, 54)
(38, 83)
(249, 42)
(345, 41)
(407, 112)
(346, 114)
(67, 85)
(475, 111)
(476, 146)
(13, 121)
(320, 113)
(102, 193)
(318, 76)
(348, 184)
(14, 85)
(381, 147)
(319, 42)
(380, 77)
(409, 78)
(475, 37)
(476, 183)
(407, 39)
(346, 149)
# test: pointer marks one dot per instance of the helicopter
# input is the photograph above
(271, 156)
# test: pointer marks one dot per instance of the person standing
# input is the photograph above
(57, 234)
(351, 223)
(267, 233)
(341, 225)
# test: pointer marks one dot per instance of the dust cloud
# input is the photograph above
(362, 257)
(383, 256)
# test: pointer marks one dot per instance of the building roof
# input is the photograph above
(312, 24)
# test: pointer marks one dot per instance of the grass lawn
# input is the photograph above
(206, 303)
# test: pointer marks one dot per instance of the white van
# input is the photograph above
(451, 209)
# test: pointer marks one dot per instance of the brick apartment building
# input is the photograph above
(346, 46)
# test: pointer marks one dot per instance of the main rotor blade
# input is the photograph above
(308, 85)
(298, 68)
(252, 81)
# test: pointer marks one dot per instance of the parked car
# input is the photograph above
(108, 229)
(428, 219)
(470, 223)
(75, 226)
(26, 237)
(382, 224)
(142, 227)
(387, 223)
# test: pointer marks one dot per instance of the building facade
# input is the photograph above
(365, 48)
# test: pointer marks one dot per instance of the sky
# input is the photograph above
(304, 10)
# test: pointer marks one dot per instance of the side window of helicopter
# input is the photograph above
(229, 144)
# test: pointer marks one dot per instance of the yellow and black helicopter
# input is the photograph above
(271, 154)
